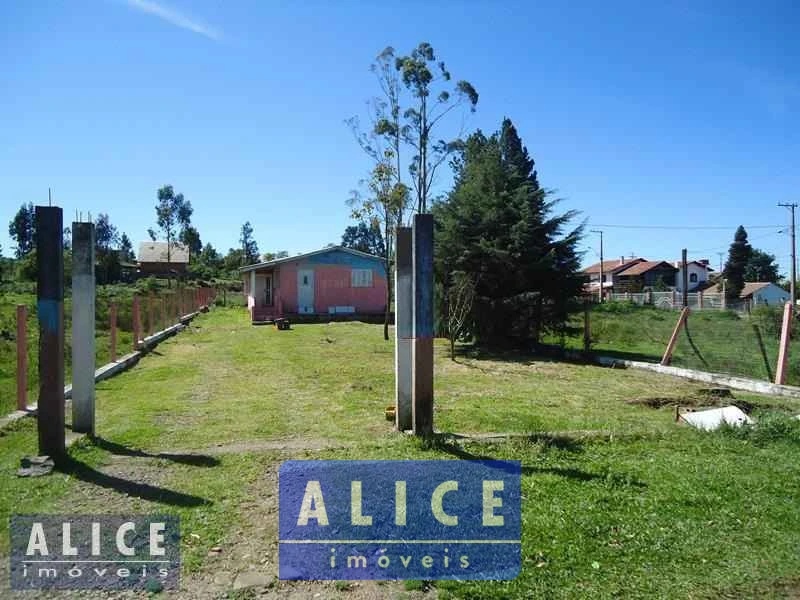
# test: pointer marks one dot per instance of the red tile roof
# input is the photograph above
(643, 267)
(611, 266)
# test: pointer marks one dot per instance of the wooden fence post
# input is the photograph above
(112, 317)
(163, 314)
(22, 357)
(137, 323)
(783, 352)
(151, 321)
(673, 340)
(700, 299)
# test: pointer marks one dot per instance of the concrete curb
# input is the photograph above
(731, 381)
(113, 368)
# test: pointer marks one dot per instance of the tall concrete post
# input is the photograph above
(50, 312)
(422, 345)
(404, 330)
(83, 314)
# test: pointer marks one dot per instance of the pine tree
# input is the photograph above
(499, 226)
(738, 257)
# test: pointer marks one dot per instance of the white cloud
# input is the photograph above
(174, 17)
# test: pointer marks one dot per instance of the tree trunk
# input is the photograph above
(387, 314)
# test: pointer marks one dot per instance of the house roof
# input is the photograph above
(279, 261)
(611, 266)
(156, 252)
(750, 288)
(679, 264)
(643, 267)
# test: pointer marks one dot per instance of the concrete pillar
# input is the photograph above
(404, 330)
(83, 344)
(50, 312)
(422, 346)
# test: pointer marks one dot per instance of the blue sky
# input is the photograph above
(683, 114)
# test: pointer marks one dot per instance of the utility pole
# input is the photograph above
(601, 261)
(791, 206)
(720, 254)
(684, 278)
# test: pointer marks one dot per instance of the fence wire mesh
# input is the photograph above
(736, 342)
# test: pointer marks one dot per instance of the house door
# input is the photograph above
(268, 290)
(305, 291)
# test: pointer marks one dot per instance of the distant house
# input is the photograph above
(611, 268)
(153, 258)
(645, 274)
(698, 272)
(761, 293)
(333, 280)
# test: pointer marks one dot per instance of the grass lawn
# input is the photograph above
(618, 500)
(718, 341)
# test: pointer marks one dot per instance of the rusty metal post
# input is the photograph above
(50, 312)
(151, 321)
(112, 318)
(137, 323)
(783, 352)
(22, 357)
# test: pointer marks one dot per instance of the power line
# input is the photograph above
(685, 227)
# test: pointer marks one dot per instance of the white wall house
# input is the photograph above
(765, 293)
(697, 271)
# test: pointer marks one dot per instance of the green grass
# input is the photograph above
(717, 341)
(617, 498)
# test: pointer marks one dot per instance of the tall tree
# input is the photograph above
(105, 233)
(190, 238)
(126, 249)
(381, 207)
(248, 244)
(365, 238)
(499, 227)
(761, 267)
(173, 215)
(105, 238)
(210, 257)
(385, 133)
(738, 256)
(22, 229)
(233, 260)
(429, 83)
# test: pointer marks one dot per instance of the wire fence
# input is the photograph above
(674, 300)
(742, 343)
(121, 313)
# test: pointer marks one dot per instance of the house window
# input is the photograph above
(693, 277)
(305, 279)
(361, 278)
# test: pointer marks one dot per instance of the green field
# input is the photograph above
(717, 341)
(618, 500)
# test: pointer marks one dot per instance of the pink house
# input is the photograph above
(333, 280)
